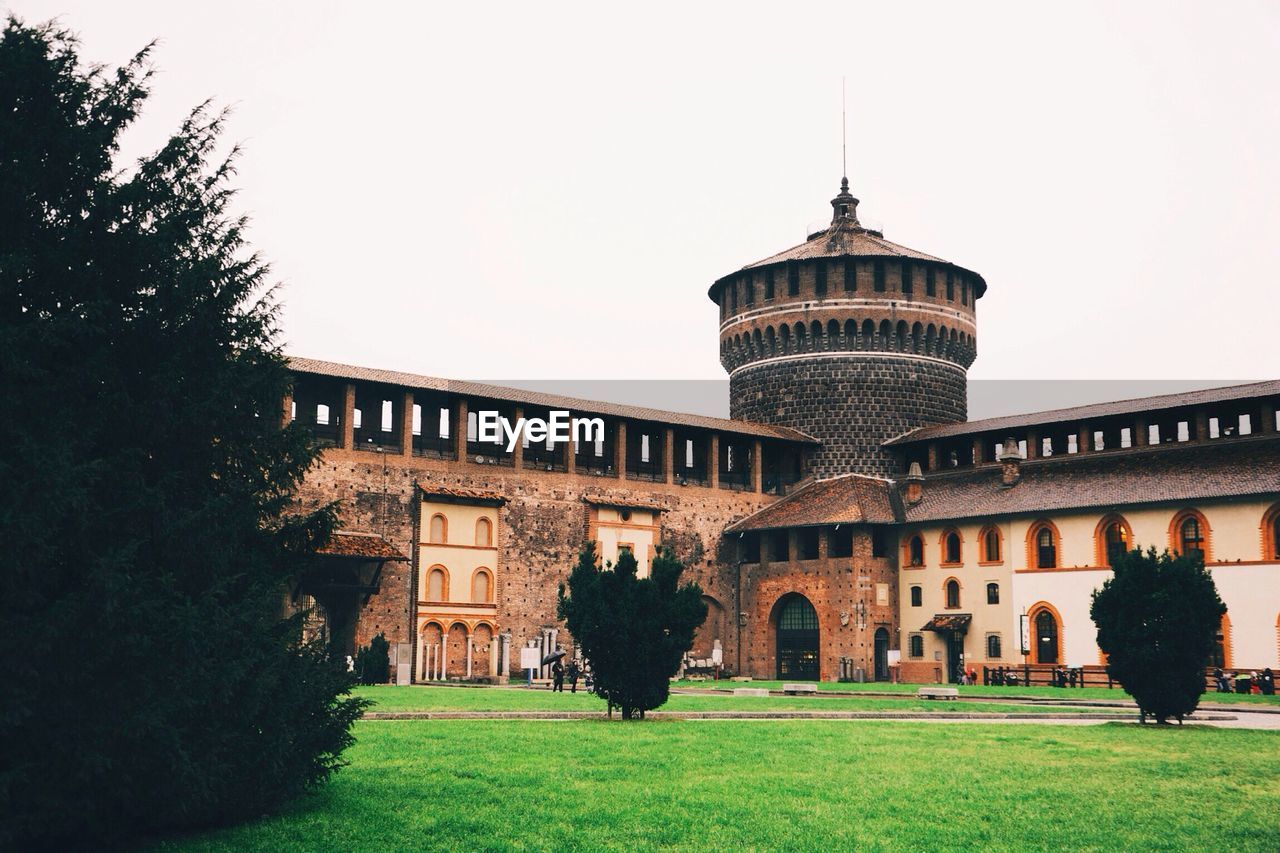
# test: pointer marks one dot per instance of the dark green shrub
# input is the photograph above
(1157, 620)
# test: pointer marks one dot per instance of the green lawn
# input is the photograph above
(781, 784)
(1116, 695)
(498, 699)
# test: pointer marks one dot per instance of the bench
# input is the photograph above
(750, 691)
(938, 693)
(798, 689)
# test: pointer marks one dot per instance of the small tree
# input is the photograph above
(373, 662)
(633, 630)
(1157, 620)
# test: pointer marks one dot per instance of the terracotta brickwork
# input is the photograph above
(843, 590)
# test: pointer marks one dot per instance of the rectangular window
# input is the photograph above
(748, 291)
(820, 278)
(879, 276)
(807, 543)
(840, 542)
(644, 448)
(751, 548)
(793, 280)
(908, 286)
(930, 285)
(850, 277)
(779, 547)
(878, 546)
(768, 285)
(964, 292)
(951, 288)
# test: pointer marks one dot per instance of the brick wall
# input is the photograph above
(540, 529)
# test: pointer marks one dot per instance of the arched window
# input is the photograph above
(916, 646)
(1189, 534)
(1113, 539)
(953, 594)
(993, 593)
(1222, 644)
(1042, 545)
(1271, 534)
(437, 585)
(951, 553)
(484, 532)
(917, 596)
(989, 542)
(481, 587)
(993, 647)
(1046, 627)
(438, 531)
(915, 551)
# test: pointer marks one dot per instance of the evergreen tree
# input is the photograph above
(150, 681)
(634, 631)
(1157, 619)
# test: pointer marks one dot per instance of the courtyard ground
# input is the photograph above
(781, 784)
(799, 784)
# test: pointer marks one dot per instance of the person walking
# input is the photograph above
(573, 672)
(557, 677)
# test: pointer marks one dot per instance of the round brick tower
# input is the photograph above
(850, 338)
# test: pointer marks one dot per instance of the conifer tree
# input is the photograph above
(634, 631)
(149, 679)
(1157, 619)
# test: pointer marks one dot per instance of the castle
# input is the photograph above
(845, 522)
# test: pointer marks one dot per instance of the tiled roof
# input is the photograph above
(365, 546)
(1238, 467)
(848, 240)
(849, 499)
(458, 493)
(1208, 396)
(949, 622)
(542, 400)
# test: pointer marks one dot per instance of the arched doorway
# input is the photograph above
(797, 638)
(1046, 637)
(882, 654)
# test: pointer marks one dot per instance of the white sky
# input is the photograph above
(540, 191)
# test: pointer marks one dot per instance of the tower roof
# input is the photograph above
(847, 238)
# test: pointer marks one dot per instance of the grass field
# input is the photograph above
(781, 784)
(1116, 695)
(493, 699)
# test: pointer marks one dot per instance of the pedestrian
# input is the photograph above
(557, 677)
(573, 672)
(1220, 681)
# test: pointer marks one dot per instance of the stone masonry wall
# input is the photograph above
(540, 529)
(850, 403)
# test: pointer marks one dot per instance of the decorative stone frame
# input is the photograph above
(1100, 556)
(1206, 532)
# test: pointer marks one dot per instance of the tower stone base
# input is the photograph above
(851, 403)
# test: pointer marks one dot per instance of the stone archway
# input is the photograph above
(796, 629)
(481, 651)
(709, 632)
(456, 656)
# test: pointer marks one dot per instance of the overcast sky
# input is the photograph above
(546, 191)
